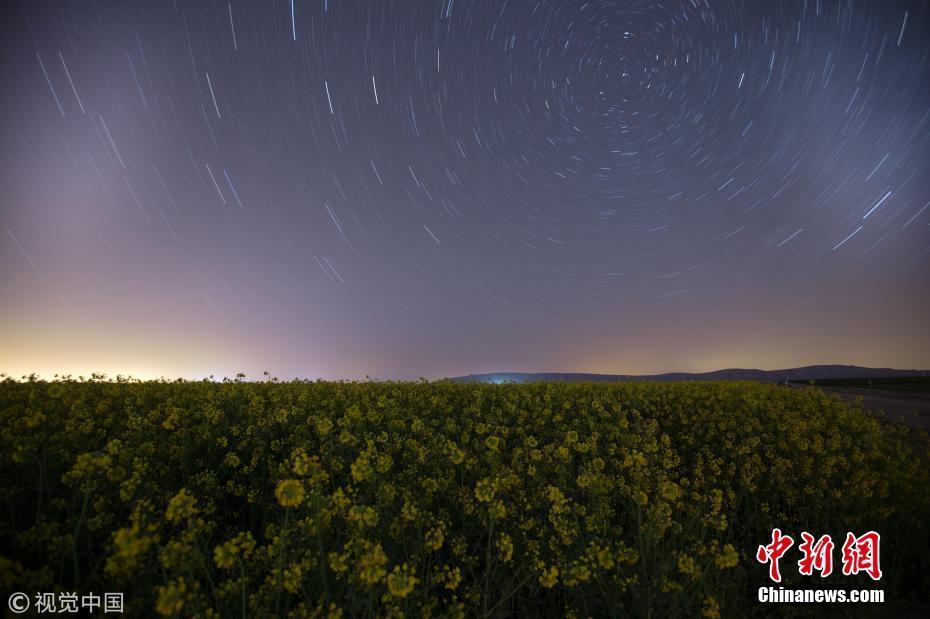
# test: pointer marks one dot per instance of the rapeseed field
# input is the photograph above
(297, 499)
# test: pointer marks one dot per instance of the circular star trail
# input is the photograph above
(398, 189)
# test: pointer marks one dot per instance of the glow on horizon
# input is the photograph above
(620, 208)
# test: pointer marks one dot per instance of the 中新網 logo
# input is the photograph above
(859, 554)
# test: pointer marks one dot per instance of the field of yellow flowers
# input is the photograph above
(252, 499)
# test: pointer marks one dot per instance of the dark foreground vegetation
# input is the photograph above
(299, 499)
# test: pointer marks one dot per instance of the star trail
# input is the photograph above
(342, 188)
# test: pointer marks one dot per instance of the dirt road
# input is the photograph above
(912, 408)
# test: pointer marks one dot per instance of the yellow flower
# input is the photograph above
(363, 516)
(371, 566)
(409, 512)
(332, 612)
(339, 563)
(293, 577)
(182, 505)
(549, 577)
(484, 490)
(576, 573)
(324, 426)
(605, 559)
(711, 608)
(171, 597)
(87, 465)
(688, 566)
(451, 577)
(435, 537)
(302, 462)
(385, 462)
(290, 493)
(402, 581)
(340, 500)
(225, 555)
(361, 468)
(130, 545)
(505, 546)
(728, 557)
(669, 490)
(492, 443)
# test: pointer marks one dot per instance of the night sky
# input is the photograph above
(407, 188)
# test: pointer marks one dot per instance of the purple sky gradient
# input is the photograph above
(403, 189)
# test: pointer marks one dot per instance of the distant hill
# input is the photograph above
(815, 372)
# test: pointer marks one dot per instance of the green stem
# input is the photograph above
(283, 542)
(242, 576)
(509, 594)
(319, 542)
(487, 570)
(77, 532)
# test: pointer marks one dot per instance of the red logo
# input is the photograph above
(860, 554)
(773, 552)
(817, 556)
